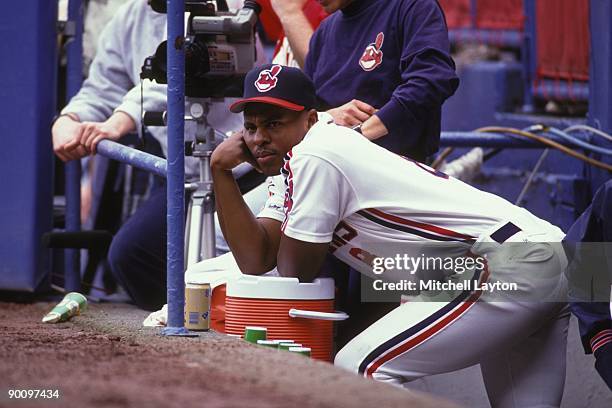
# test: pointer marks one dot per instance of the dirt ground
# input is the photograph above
(104, 358)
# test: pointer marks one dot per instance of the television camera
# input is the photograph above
(219, 50)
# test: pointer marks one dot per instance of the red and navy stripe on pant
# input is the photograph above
(424, 330)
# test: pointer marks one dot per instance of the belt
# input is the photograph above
(504, 232)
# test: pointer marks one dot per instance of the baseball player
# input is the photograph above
(339, 192)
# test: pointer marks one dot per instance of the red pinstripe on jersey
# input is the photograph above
(288, 173)
(415, 226)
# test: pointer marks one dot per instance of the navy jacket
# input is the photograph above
(589, 250)
(394, 55)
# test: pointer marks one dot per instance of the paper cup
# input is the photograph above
(254, 333)
(287, 346)
(304, 351)
(267, 343)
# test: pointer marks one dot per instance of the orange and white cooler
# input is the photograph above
(303, 312)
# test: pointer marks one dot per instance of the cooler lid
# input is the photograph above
(276, 287)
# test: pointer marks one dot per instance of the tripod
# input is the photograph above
(200, 224)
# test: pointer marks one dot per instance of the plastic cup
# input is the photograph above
(267, 343)
(287, 346)
(73, 304)
(277, 342)
(254, 333)
(304, 351)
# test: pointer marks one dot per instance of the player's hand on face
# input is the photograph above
(285, 7)
(352, 113)
(66, 133)
(232, 152)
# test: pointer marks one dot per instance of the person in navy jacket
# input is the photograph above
(384, 66)
(590, 271)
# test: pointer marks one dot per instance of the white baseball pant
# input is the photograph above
(520, 345)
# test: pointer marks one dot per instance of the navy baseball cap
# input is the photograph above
(278, 85)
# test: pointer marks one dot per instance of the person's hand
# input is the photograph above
(352, 113)
(91, 135)
(286, 7)
(64, 132)
(232, 152)
(113, 129)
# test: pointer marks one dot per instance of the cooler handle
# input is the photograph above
(309, 314)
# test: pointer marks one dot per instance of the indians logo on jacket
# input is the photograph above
(373, 55)
(268, 78)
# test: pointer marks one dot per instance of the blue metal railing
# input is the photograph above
(158, 166)
(496, 140)
(74, 79)
(149, 162)
(133, 157)
(176, 169)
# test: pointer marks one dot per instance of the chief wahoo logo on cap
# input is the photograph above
(373, 55)
(268, 78)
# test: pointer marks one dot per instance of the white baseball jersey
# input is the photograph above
(336, 186)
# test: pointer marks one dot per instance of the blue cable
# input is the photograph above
(587, 146)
